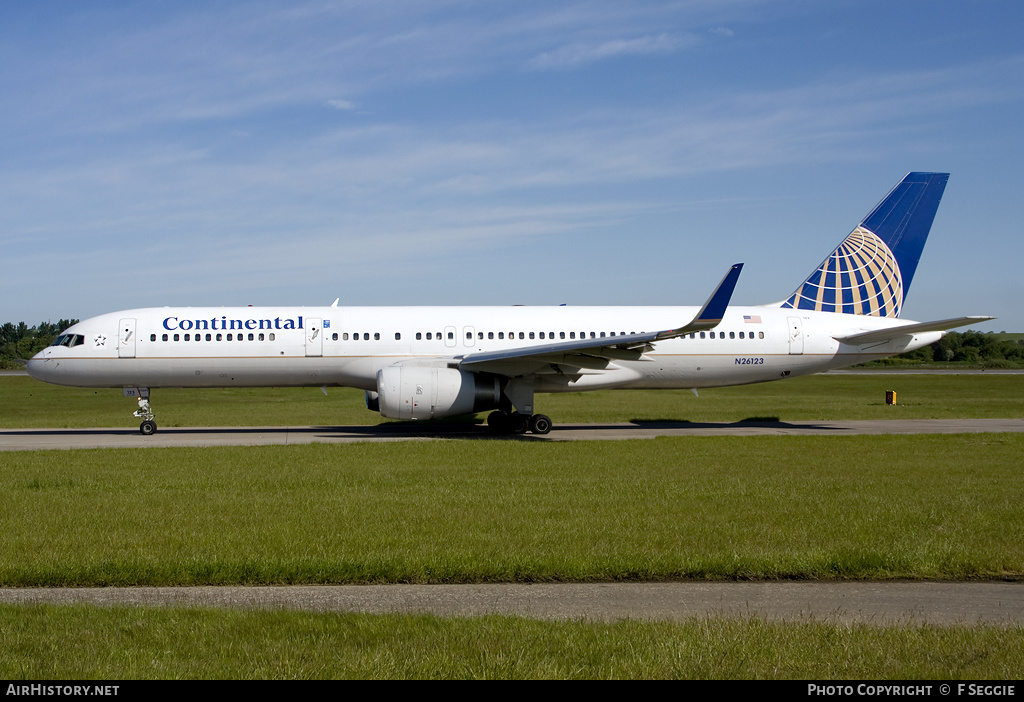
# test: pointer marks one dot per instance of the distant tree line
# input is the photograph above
(968, 348)
(20, 341)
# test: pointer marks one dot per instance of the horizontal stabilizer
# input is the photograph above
(881, 335)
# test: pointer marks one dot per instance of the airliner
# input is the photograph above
(424, 363)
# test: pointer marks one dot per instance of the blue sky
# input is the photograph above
(458, 152)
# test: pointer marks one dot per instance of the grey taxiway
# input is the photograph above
(37, 439)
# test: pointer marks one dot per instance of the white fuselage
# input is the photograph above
(338, 346)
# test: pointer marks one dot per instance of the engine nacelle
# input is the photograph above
(416, 392)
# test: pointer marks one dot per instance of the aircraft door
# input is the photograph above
(468, 336)
(314, 337)
(126, 338)
(796, 336)
(449, 336)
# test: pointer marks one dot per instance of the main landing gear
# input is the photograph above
(516, 423)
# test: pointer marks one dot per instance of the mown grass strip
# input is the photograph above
(179, 643)
(29, 403)
(452, 511)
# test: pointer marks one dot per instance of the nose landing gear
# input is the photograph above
(148, 426)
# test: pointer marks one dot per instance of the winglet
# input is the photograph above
(713, 310)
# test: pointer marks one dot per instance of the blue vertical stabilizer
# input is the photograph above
(870, 272)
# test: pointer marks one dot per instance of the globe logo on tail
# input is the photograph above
(860, 277)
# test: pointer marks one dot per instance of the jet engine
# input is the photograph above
(416, 392)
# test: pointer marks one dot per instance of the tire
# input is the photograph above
(498, 422)
(148, 428)
(540, 424)
(520, 423)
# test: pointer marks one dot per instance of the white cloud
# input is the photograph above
(579, 54)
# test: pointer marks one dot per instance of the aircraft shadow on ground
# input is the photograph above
(436, 430)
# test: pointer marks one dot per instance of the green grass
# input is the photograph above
(929, 507)
(93, 643)
(457, 511)
(29, 403)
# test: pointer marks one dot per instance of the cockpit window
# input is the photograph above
(69, 340)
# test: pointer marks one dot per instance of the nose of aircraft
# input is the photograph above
(40, 366)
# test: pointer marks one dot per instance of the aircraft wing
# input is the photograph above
(598, 353)
(889, 333)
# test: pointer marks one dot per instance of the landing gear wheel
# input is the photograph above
(148, 427)
(540, 424)
(520, 423)
(498, 422)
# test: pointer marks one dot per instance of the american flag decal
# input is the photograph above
(751, 319)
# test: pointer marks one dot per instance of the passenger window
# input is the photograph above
(732, 335)
(702, 335)
(398, 336)
(531, 335)
(176, 337)
(490, 335)
(152, 337)
(334, 337)
(561, 335)
(272, 337)
(220, 338)
(501, 335)
(261, 338)
(251, 337)
(451, 335)
(522, 335)
(419, 336)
